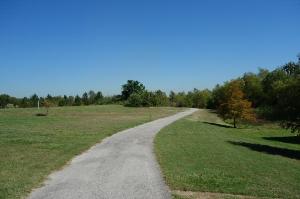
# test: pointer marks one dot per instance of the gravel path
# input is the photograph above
(122, 166)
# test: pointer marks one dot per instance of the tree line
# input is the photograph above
(133, 94)
(273, 95)
(88, 98)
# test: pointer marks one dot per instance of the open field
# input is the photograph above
(201, 154)
(31, 147)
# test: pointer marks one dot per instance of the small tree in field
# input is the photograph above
(47, 105)
(235, 106)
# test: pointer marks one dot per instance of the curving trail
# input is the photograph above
(122, 166)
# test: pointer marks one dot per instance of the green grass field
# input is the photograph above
(31, 147)
(202, 154)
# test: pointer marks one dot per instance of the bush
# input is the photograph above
(135, 100)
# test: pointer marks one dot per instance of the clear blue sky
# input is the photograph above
(68, 47)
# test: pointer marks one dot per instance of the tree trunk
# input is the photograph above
(234, 125)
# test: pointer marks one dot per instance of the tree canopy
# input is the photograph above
(131, 87)
(235, 106)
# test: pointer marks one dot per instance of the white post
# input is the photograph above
(38, 104)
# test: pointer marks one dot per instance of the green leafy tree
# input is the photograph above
(34, 100)
(132, 87)
(291, 69)
(92, 96)
(159, 98)
(63, 101)
(77, 101)
(4, 100)
(98, 98)
(180, 99)
(85, 99)
(273, 82)
(289, 105)
(135, 100)
(147, 99)
(188, 99)
(49, 97)
(70, 100)
(253, 88)
(218, 95)
(172, 98)
(25, 103)
(274, 85)
(200, 99)
(14, 101)
(288, 102)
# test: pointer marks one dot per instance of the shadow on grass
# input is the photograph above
(212, 111)
(41, 114)
(286, 139)
(220, 125)
(294, 154)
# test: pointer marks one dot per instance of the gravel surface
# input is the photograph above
(121, 166)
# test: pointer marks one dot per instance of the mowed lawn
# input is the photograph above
(31, 147)
(199, 154)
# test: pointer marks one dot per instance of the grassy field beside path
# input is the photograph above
(32, 147)
(200, 153)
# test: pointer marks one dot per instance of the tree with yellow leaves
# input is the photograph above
(235, 106)
(47, 104)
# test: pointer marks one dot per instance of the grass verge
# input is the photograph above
(202, 154)
(31, 147)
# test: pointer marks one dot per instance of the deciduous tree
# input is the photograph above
(85, 98)
(98, 97)
(77, 101)
(132, 87)
(47, 104)
(235, 106)
(4, 100)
